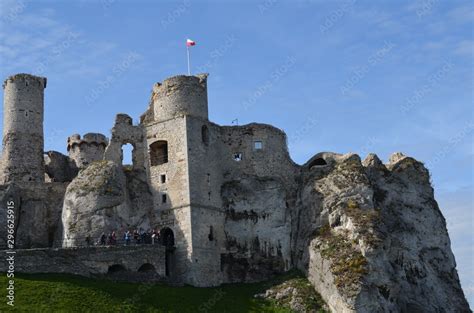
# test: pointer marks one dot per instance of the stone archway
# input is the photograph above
(147, 267)
(167, 237)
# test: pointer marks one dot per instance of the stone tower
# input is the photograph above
(181, 95)
(85, 150)
(175, 102)
(23, 141)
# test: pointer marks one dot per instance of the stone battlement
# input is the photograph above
(89, 138)
(85, 150)
(25, 78)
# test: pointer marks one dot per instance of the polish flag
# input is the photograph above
(190, 43)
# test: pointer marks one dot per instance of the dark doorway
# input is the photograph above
(147, 267)
(116, 268)
(167, 237)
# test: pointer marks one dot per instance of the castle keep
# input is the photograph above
(229, 200)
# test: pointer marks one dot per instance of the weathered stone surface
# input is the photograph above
(256, 225)
(37, 212)
(100, 200)
(59, 167)
(296, 294)
(380, 242)
(85, 150)
(23, 107)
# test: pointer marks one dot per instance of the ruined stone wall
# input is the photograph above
(272, 160)
(124, 132)
(245, 202)
(258, 195)
(23, 140)
(85, 150)
(88, 261)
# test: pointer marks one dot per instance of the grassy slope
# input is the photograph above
(68, 293)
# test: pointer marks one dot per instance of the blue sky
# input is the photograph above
(343, 76)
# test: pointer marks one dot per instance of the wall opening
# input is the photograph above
(318, 162)
(163, 178)
(127, 151)
(211, 234)
(147, 267)
(205, 134)
(159, 153)
(163, 198)
(116, 268)
(167, 237)
(258, 145)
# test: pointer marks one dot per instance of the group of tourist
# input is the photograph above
(137, 236)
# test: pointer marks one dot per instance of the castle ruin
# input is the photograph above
(236, 207)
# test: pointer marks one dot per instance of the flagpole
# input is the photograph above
(189, 66)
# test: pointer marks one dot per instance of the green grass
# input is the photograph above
(69, 293)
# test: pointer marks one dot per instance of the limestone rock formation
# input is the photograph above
(297, 294)
(102, 199)
(372, 238)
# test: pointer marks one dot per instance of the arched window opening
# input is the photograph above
(127, 151)
(167, 237)
(147, 267)
(205, 134)
(318, 162)
(159, 153)
(116, 268)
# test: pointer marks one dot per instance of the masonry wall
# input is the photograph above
(272, 160)
(173, 212)
(246, 203)
(88, 261)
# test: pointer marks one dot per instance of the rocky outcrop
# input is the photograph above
(58, 167)
(37, 212)
(102, 198)
(371, 237)
(296, 294)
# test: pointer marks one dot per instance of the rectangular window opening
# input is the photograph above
(163, 198)
(258, 145)
(163, 178)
